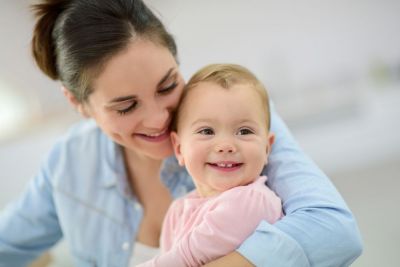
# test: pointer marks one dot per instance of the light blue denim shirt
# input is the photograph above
(81, 194)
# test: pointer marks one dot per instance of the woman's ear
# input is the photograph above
(270, 141)
(177, 148)
(74, 102)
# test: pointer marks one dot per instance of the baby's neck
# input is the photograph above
(206, 191)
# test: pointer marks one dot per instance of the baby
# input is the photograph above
(221, 135)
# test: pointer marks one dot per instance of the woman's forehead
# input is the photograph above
(142, 64)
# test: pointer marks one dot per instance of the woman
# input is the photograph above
(107, 183)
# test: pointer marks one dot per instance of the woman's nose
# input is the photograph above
(156, 117)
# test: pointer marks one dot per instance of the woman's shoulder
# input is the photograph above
(82, 136)
(83, 130)
(83, 160)
(81, 146)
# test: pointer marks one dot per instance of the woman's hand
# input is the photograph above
(233, 259)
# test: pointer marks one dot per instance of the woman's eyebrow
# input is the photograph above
(166, 76)
(120, 99)
(130, 97)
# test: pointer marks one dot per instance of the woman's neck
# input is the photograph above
(140, 162)
(144, 179)
(143, 174)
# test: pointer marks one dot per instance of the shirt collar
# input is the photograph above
(113, 167)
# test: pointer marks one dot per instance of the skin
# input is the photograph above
(134, 97)
(223, 139)
(132, 102)
(233, 259)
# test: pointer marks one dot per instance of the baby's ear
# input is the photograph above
(270, 141)
(177, 148)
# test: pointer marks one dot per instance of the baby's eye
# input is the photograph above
(206, 131)
(245, 131)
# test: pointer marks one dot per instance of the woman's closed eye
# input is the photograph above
(126, 108)
(168, 88)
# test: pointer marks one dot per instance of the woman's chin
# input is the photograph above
(162, 152)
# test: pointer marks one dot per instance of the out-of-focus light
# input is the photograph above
(14, 111)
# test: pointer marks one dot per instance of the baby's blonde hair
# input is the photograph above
(226, 76)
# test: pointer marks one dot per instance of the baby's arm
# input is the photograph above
(228, 222)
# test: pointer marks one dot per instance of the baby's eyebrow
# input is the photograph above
(247, 121)
(201, 121)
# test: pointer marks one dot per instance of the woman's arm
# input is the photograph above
(30, 225)
(318, 229)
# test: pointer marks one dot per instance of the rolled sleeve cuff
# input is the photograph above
(269, 246)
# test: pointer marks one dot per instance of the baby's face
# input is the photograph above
(223, 140)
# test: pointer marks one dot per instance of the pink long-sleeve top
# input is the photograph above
(199, 229)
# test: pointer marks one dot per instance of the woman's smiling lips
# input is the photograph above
(225, 166)
(155, 137)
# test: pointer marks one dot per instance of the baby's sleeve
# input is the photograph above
(231, 218)
(169, 226)
(229, 222)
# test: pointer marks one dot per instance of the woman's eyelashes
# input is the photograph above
(132, 106)
(168, 88)
(128, 109)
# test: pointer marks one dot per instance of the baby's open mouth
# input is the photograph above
(225, 165)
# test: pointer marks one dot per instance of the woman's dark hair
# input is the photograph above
(73, 39)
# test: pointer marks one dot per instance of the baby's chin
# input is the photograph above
(164, 154)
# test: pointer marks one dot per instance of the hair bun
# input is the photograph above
(46, 13)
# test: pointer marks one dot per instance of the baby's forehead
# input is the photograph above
(246, 90)
(244, 87)
(202, 95)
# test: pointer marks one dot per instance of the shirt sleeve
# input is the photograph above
(30, 225)
(227, 223)
(318, 229)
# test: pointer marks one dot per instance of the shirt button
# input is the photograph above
(137, 206)
(125, 246)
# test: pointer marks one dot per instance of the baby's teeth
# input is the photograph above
(223, 165)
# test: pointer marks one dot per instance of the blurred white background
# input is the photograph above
(332, 68)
